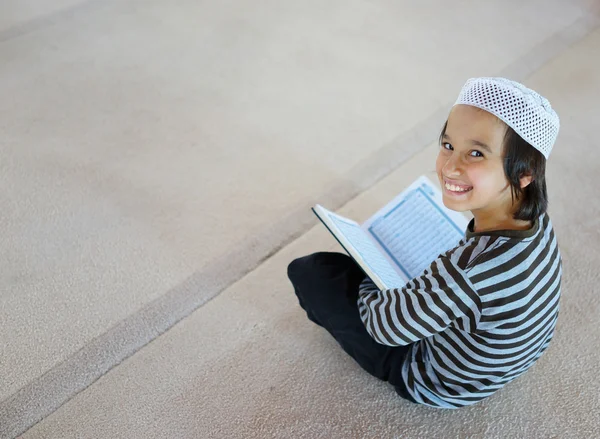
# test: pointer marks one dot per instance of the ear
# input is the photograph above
(525, 180)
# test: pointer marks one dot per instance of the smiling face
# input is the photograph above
(471, 170)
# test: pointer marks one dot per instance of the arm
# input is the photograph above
(443, 295)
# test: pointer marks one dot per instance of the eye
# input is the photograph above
(448, 148)
(478, 154)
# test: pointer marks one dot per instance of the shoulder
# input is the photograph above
(475, 250)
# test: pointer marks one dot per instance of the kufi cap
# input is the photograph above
(519, 107)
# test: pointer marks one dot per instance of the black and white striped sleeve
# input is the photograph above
(442, 296)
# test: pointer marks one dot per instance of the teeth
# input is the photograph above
(453, 188)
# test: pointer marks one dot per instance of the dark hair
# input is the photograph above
(520, 159)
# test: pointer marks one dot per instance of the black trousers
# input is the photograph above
(327, 288)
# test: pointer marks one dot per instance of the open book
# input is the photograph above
(400, 240)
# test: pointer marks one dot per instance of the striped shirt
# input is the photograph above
(476, 319)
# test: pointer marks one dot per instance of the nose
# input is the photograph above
(453, 166)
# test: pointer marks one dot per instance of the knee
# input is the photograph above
(299, 267)
(314, 263)
(294, 268)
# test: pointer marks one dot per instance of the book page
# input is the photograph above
(361, 247)
(415, 228)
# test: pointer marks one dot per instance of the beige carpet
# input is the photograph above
(144, 171)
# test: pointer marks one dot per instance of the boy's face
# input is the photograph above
(470, 165)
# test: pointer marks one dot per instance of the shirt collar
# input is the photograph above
(522, 234)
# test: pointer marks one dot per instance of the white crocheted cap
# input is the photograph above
(519, 107)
